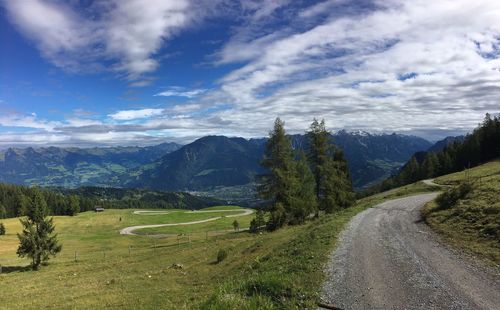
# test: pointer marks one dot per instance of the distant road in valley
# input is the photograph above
(388, 258)
(130, 230)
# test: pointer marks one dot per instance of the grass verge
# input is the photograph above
(472, 223)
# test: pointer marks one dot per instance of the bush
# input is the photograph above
(450, 197)
(257, 222)
(2, 229)
(221, 255)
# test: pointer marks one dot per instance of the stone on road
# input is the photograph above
(388, 258)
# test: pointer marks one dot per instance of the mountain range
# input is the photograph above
(74, 167)
(207, 163)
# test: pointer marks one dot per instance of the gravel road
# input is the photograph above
(388, 259)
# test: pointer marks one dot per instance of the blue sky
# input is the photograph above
(137, 72)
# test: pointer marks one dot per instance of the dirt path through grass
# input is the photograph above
(130, 230)
(431, 183)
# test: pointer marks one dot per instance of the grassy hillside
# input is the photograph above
(473, 222)
(276, 270)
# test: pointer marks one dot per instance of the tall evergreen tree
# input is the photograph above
(73, 206)
(3, 211)
(280, 184)
(37, 240)
(319, 142)
(430, 166)
(305, 201)
(331, 174)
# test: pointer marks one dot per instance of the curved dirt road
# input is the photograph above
(431, 183)
(130, 230)
(388, 259)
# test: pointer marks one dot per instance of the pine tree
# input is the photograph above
(3, 211)
(37, 241)
(331, 174)
(410, 172)
(280, 184)
(236, 225)
(345, 192)
(257, 222)
(430, 166)
(319, 142)
(2, 229)
(305, 202)
(73, 206)
(278, 217)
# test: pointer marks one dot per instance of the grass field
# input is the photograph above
(474, 222)
(279, 270)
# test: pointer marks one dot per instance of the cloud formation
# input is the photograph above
(422, 67)
(348, 68)
(128, 33)
(126, 115)
(175, 91)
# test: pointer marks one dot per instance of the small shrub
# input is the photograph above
(221, 255)
(450, 197)
(2, 229)
(236, 225)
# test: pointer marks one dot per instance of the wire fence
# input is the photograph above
(152, 244)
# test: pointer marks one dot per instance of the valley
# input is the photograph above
(217, 165)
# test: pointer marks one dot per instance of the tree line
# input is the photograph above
(15, 201)
(301, 183)
(478, 147)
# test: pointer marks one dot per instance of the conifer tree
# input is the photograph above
(317, 153)
(430, 166)
(257, 222)
(37, 240)
(410, 172)
(305, 202)
(280, 184)
(331, 174)
(73, 206)
(2, 229)
(3, 211)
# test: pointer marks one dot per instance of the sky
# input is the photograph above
(142, 72)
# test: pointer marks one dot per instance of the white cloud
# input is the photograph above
(126, 32)
(176, 91)
(126, 115)
(27, 121)
(137, 28)
(348, 69)
(340, 60)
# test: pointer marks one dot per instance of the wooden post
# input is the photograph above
(104, 253)
(76, 259)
